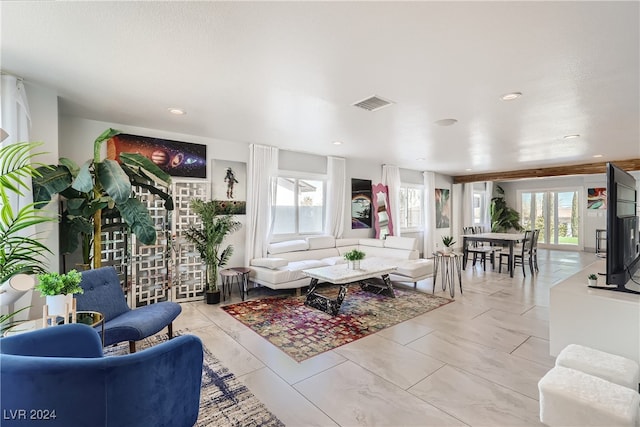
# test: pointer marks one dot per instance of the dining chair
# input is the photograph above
(478, 249)
(520, 252)
(533, 252)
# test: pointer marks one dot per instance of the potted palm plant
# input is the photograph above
(503, 217)
(208, 239)
(21, 251)
(99, 188)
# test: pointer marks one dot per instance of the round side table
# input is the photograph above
(245, 271)
(229, 277)
(450, 263)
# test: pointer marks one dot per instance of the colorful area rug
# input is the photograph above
(224, 400)
(303, 332)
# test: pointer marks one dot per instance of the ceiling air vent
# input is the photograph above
(373, 103)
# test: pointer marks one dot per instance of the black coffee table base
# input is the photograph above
(332, 306)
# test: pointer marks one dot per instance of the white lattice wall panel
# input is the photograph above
(188, 280)
(151, 278)
(155, 206)
(115, 251)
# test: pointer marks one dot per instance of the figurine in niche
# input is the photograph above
(230, 179)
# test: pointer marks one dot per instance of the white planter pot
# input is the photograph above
(59, 305)
(446, 250)
(593, 282)
(354, 265)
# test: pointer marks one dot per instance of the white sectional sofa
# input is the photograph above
(282, 268)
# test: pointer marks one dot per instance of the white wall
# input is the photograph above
(43, 105)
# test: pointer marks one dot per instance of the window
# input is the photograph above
(299, 207)
(478, 207)
(410, 207)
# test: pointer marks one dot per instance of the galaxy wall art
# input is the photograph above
(176, 158)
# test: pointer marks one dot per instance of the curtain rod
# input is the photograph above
(4, 73)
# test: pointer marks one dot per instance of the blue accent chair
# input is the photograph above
(103, 293)
(57, 376)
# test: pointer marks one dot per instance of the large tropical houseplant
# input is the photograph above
(503, 217)
(208, 239)
(101, 188)
(21, 250)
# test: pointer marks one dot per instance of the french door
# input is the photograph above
(556, 213)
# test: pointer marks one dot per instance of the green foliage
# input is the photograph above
(7, 322)
(59, 284)
(19, 253)
(354, 255)
(593, 276)
(448, 241)
(503, 218)
(208, 238)
(97, 185)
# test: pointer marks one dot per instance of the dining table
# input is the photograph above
(502, 239)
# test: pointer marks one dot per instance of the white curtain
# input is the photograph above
(15, 121)
(336, 194)
(391, 178)
(467, 204)
(429, 213)
(456, 213)
(262, 174)
(488, 194)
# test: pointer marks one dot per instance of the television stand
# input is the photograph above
(616, 288)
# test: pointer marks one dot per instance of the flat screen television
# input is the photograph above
(623, 245)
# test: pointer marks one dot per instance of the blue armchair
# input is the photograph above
(103, 293)
(57, 376)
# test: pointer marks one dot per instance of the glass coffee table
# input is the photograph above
(342, 275)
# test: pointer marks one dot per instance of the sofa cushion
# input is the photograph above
(287, 246)
(377, 243)
(304, 264)
(408, 243)
(347, 242)
(321, 242)
(334, 260)
(269, 262)
(415, 268)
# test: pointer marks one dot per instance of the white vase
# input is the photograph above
(354, 265)
(446, 250)
(59, 305)
(593, 282)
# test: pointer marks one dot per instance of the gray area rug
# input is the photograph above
(224, 400)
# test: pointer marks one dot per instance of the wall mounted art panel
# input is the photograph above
(443, 208)
(176, 158)
(597, 198)
(229, 186)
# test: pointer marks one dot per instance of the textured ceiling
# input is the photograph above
(286, 74)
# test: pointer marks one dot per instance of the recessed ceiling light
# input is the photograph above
(575, 135)
(511, 96)
(177, 111)
(337, 142)
(597, 156)
(446, 122)
(468, 169)
(421, 159)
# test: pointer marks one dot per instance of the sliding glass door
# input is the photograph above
(556, 213)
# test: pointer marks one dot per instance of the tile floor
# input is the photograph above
(473, 362)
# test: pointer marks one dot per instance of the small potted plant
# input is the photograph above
(448, 242)
(59, 289)
(593, 279)
(354, 257)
